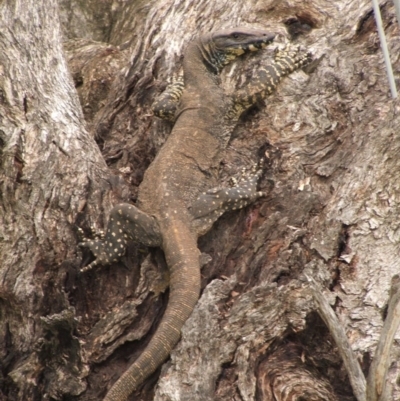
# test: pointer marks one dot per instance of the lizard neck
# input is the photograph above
(201, 66)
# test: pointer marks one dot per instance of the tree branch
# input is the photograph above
(353, 368)
(377, 390)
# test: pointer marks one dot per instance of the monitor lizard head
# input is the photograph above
(225, 45)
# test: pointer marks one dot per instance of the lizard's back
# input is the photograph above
(187, 164)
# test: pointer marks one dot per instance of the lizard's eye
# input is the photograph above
(235, 35)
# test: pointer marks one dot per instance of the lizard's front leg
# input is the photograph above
(267, 78)
(166, 104)
(126, 223)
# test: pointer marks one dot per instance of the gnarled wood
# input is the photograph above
(331, 141)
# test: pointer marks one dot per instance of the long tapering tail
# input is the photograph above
(182, 254)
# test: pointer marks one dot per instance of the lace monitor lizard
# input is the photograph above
(179, 199)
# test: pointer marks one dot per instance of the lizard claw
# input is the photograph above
(95, 246)
(97, 234)
(88, 267)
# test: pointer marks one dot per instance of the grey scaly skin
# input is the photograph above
(179, 198)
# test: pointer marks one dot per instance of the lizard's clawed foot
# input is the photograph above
(292, 57)
(248, 179)
(96, 246)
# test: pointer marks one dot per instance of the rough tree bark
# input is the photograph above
(330, 138)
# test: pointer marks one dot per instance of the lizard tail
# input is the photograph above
(182, 255)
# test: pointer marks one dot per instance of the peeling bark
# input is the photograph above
(51, 171)
(330, 138)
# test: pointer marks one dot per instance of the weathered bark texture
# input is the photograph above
(51, 174)
(331, 141)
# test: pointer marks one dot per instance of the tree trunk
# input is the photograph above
(328, 225)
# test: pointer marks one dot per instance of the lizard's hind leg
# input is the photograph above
(126, 223)
(213, 203)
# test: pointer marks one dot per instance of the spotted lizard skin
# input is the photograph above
(179, 198)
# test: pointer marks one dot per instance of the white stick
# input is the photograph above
(384, 47)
